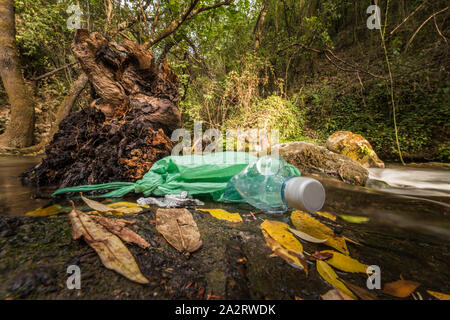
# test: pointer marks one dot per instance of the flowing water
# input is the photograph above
(408, 233)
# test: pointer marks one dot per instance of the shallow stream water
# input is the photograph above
(409, 210)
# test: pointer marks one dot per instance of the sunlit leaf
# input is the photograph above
(439, 295)
(45, 212)
(328, 274)
(345, 263)
(223, 215)
(307, 224)
(400, 288)
(354, 219)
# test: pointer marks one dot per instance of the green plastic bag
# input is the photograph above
(197, 174)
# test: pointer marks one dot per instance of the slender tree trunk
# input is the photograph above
(19, 132)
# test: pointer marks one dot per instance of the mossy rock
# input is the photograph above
(354, 146)
(310, 158)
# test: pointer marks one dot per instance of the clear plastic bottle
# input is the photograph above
(270, 184)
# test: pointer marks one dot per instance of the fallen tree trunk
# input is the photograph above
(125, 129)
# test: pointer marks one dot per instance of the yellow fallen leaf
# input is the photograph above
(223, 215)
(126, 204)
(127, 210)
(345, 263)
(111, 250)
(307, 224)
(280, 233)
(45, 212)
(298, 298)
(326, 215)
(400, 288)
(439, 295)
(291, 257)
(328, 274)
(354, 219)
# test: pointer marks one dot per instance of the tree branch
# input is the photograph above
(187, 15)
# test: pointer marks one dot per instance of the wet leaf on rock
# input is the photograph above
(179, 229)
(327, 215)
(439, 295)
(119, 228)
(328, 274)
(293, 258)
(320, 255)
(344, 263)
(111, 250)
(279, 231)
(45, 212)
(307, 224)
(223, 215)
(400, 288)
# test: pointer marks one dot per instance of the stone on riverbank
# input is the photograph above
(355, 147)
(310, 158)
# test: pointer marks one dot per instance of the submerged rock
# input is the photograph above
(310, 158)
(355, 147)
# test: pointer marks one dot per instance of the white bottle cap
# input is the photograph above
(305, 194)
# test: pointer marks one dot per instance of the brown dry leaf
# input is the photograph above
(111, 250)
(335, 294)
(362, 293)
(400, 288)
(287, 255)
(119, 228)
(179, 229)
(97, 206)
(307, 224)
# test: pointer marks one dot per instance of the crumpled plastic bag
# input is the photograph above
(182, 200)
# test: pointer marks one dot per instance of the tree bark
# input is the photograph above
(19, 132)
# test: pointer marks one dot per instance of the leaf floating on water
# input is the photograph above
(335, 294)
(291, 257)
(307, 224)
(322, 255)
(439, 295)
(354, 219)
(179, 229)
(45, 212)
(111, 250)
(362, 293)
(400, 288)
(119, 228)
(328, 274)
(327, 215)
(223, 215)
(345, 263)
(97, 206)
(306, 237)
(280, 233)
